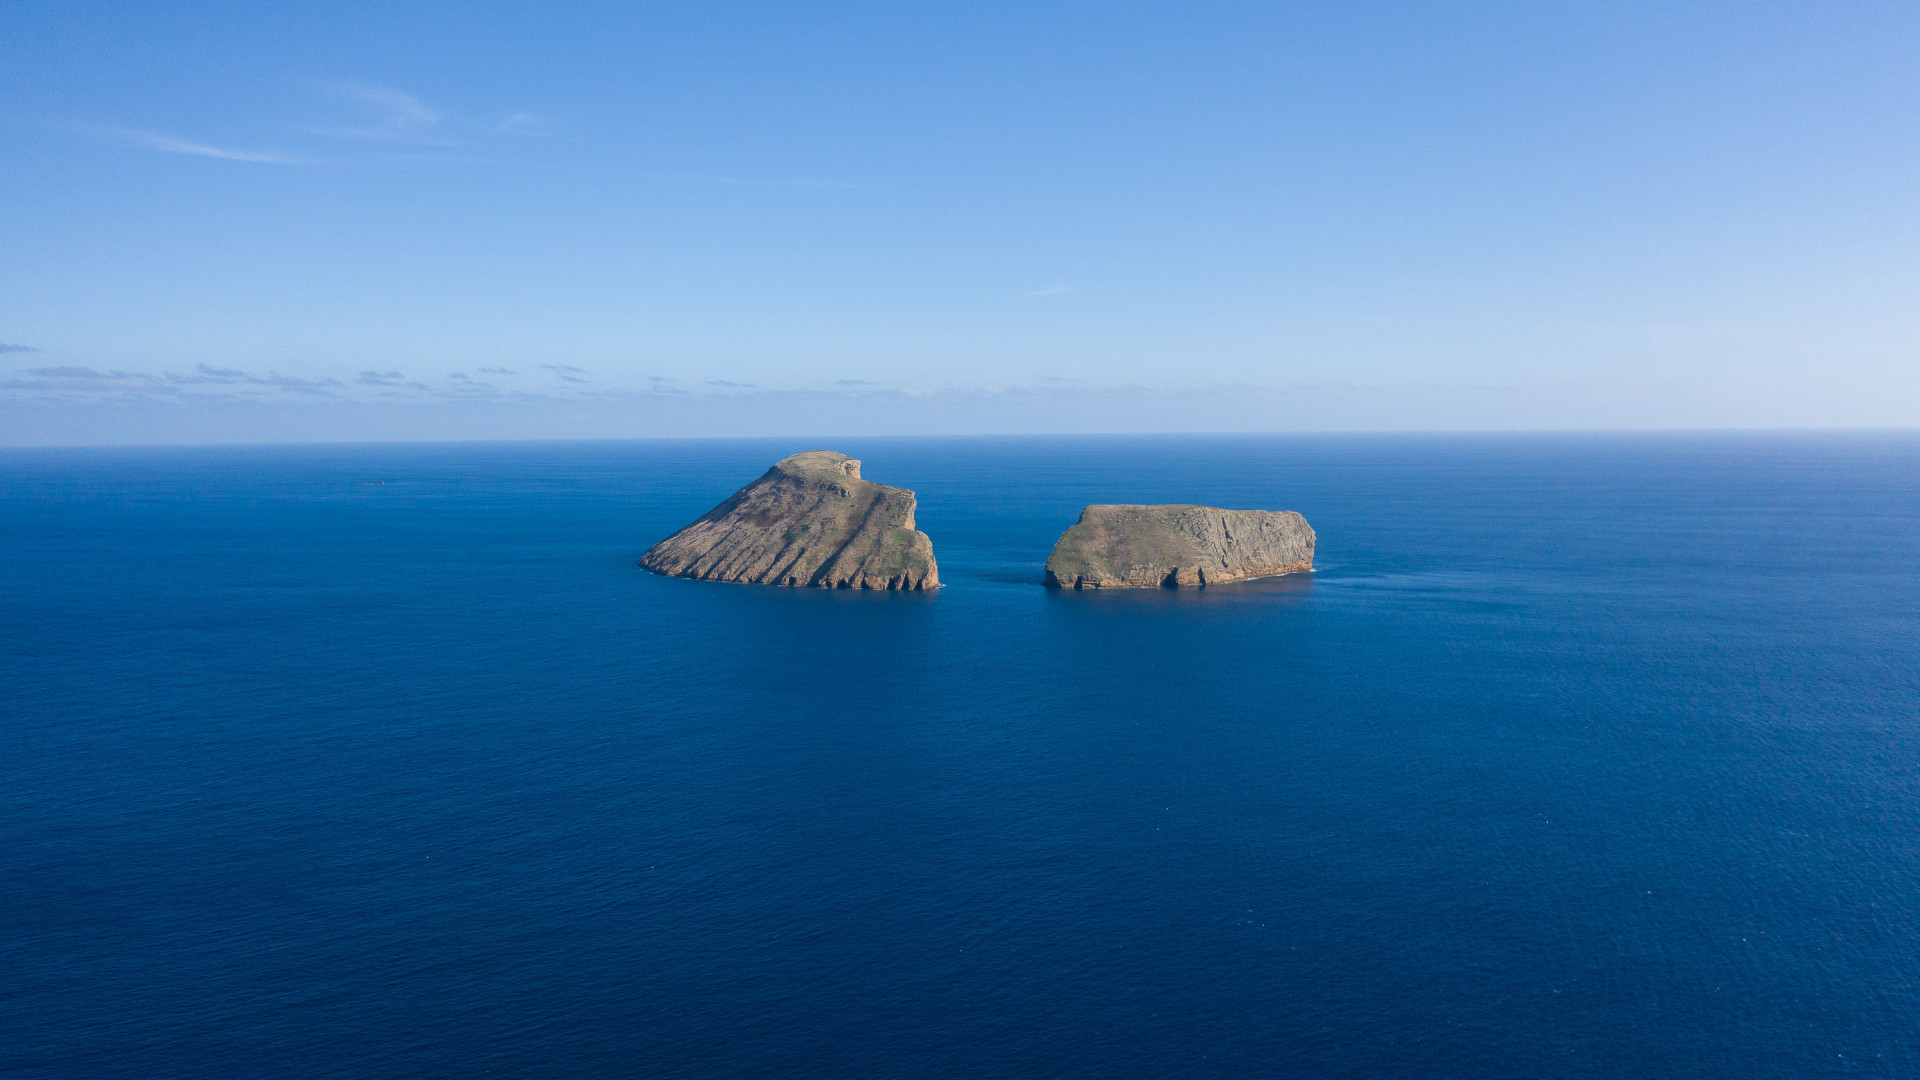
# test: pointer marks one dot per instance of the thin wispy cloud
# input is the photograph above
(401, 108)
(314, 387)
(377, 114)
(17, 348)
(533, 124)
(807, 182)
(72, 372)
(459, 382)
(494, 371)
(72, 381)
(210, 375)
(154, 140)
(389, 115)
(388, 378)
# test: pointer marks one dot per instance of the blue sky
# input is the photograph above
(478, 221)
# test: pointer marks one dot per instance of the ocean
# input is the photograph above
(1578, 756)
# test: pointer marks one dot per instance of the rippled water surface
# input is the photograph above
(1580, 756)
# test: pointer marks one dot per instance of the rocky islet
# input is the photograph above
(1141, 547)
(811, 520)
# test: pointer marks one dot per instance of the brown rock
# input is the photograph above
(1138, 547)
(810, 520)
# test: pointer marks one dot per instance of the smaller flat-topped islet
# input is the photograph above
(1139, 547)
(810, 520)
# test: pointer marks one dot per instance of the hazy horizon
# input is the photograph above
(407, 433)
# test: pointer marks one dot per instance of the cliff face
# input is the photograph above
(1137, 547)
(810, 520)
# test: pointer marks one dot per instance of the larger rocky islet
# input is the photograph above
(1139, 547)
(810, 520)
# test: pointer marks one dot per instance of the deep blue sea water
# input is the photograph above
(1580, 756)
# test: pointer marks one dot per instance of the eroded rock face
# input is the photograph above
(1138, 547)
(810, 520)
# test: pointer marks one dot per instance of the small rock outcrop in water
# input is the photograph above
(810, 520)
(1138, 547)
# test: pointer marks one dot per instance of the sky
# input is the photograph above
(351, 221)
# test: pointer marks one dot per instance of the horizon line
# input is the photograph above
(1297, 434)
